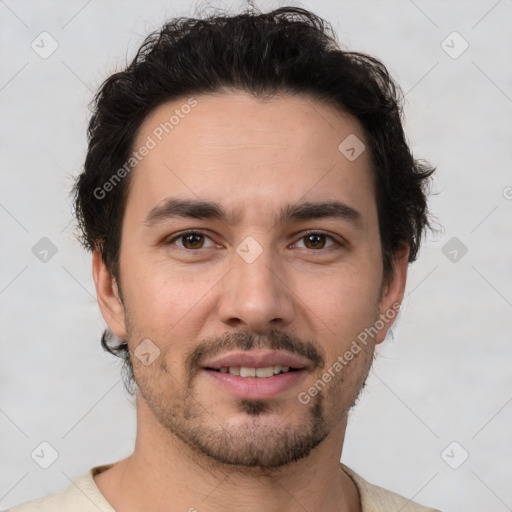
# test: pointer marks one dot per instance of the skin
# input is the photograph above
(251, 156)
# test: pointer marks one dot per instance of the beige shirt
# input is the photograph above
(83, 495)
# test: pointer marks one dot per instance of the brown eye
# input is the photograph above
(191, 240)
(315, 241)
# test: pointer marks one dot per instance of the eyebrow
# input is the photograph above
(199, 209)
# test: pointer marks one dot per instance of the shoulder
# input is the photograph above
(378, 499)
(81, 495)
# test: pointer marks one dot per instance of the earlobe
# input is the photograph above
(393, 293)
(107, 293)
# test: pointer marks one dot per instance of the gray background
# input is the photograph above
(446, 374)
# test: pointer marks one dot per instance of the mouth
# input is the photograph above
(259, 373)
(256, 375)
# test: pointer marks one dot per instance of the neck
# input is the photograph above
(163, 470)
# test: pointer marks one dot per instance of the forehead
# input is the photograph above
(250, 154)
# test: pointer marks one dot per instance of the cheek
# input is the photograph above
(165, 299)
(340, 309)
(342, 298)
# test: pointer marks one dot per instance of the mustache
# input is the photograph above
(245, 340)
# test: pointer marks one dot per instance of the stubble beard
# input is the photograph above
(265, 440)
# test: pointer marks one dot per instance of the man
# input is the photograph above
(252, 207)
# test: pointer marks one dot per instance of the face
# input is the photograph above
(250, 262)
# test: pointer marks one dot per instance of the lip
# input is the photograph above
(257, 359)
(255, 388)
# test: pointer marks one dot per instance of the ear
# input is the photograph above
(393, 293)
(107, 293)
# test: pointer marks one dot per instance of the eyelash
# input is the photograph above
(305, 235)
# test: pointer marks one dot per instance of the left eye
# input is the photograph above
(317, 241)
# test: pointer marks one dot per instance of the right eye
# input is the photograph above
(191, 240)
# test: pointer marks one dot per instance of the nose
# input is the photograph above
(256, 295)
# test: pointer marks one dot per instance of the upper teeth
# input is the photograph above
(243, 371)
